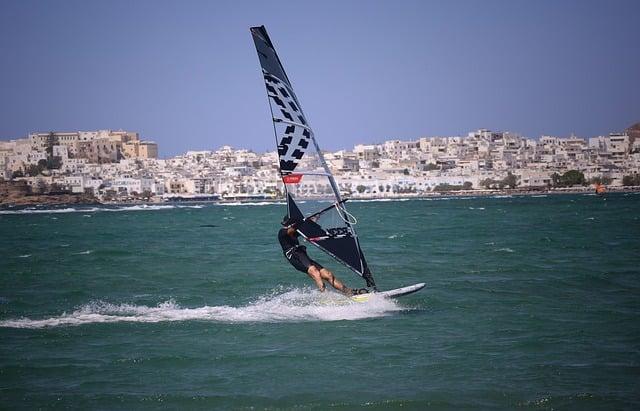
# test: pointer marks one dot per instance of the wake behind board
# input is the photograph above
(398, 292)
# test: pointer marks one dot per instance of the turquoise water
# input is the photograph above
(531, 302)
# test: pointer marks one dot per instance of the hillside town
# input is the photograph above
(111, 165)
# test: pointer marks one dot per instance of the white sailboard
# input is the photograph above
(312, 194)
(395, 293)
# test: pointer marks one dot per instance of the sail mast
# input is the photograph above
(329, 229)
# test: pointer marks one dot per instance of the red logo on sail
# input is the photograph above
(292, 178)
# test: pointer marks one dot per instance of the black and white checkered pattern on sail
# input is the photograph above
(295, 140)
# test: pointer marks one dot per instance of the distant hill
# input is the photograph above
(633, 132)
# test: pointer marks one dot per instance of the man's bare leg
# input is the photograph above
(335, 283)
(314, 273)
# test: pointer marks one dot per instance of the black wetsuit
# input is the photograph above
(295, 253)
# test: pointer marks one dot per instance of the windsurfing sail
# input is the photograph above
(312, 194)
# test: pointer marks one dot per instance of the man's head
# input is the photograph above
(290, 222)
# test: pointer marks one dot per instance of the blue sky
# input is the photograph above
(186, 75)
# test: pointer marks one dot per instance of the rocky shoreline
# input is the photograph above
(58, 199)
(19, 194)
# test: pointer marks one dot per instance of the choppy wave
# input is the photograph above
(86, 252)
(256, 203)
(137, 207)
(438, 198)
(291, 306)
(449, 198)
(379, 200)
(44, 211)
(505, 250)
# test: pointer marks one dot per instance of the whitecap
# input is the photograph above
(249, 203)
(142, 207)
(86, 252)
(505, 249)
(41, 211)
(436, 199)
(379, 200)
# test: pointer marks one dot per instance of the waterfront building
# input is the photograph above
(119, 162)
(132, 185)
(533, 178)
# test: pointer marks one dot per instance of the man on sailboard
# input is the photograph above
(297, 256)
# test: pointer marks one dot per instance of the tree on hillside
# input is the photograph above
(510, 181)
(488, 183)
(601, 180)
(574, 178)
(631, 180)
(444, 187)
(33, 170)
(569, 179)
(54, 162)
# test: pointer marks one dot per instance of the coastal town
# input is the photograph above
(107, 165)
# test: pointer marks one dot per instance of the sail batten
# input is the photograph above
(307, 179)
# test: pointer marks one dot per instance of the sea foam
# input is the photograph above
(295, 305)
(136, 207)
(253, 203)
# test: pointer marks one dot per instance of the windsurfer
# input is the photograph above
(297, 256)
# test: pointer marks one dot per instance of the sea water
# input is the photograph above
(531, 302)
